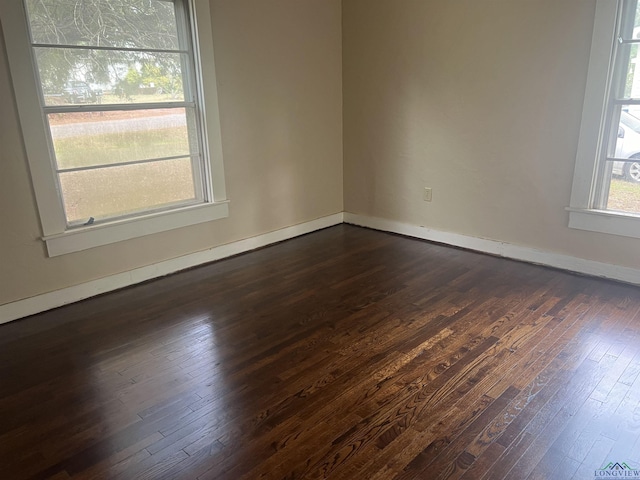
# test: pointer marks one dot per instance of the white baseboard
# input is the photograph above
(502, 249)
(40, 303)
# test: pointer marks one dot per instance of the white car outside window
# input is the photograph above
(628, 146)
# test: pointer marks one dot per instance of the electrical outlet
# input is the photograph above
(426, 195)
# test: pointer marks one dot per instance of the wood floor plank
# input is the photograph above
(343, 354)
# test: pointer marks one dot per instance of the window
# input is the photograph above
(606, 188)
(122, 138)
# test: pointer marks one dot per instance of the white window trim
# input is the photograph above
(581, 215)
(58, 238)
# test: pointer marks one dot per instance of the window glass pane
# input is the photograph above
(632, 71)
(120, 190)
(624, 189)
(104, 23)
(79, 76)
(635, 9)
(628, 133)
(83, 139)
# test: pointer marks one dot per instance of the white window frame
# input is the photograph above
(594, 128)
(58, 237)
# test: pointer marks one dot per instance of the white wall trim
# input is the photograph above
(40, 303)
(502, 249)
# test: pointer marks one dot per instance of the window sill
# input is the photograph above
(94, 236)
(605, 221)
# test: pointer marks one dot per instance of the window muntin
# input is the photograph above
(118, 93)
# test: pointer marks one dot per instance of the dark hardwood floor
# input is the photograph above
(343, 354)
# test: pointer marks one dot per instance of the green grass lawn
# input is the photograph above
(624, 196)
(125, 189)
(109, 148)
(119, 190)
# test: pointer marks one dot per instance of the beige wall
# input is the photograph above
(480, 100)
(280, 90)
